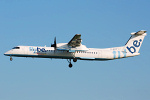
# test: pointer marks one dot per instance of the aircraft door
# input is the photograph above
(99, 54)
(25, 50)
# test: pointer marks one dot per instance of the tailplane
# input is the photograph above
(134, 43)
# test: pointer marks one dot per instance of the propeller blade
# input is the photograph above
(55, 40)
(54, 45)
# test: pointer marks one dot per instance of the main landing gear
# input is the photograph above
(75, 60)
(69, 61)
(70, 65)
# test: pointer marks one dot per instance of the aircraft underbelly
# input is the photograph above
(110, 54)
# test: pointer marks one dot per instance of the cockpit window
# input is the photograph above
(16, 48)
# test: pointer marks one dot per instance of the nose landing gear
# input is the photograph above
(11, 58)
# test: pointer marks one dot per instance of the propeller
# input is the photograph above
(54, 45)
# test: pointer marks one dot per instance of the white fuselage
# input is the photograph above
(50, 52)
(75, 50)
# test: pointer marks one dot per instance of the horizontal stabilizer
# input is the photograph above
(139, 32)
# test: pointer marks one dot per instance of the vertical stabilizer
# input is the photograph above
(134, 43)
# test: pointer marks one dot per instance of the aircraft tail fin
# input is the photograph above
(134, 43)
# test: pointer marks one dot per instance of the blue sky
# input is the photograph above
(102, 24)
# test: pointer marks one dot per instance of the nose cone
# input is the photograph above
(7, 53)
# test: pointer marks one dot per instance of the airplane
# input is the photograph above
(74, 50)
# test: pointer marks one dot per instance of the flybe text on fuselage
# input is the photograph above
(37, 49)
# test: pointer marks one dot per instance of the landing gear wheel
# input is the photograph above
(75, 60)
(69, 61)
(11, 58)
(70, 65)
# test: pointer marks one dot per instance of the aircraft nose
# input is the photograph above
(7, 53)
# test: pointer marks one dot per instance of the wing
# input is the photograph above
(73, 45)
(75, 41)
